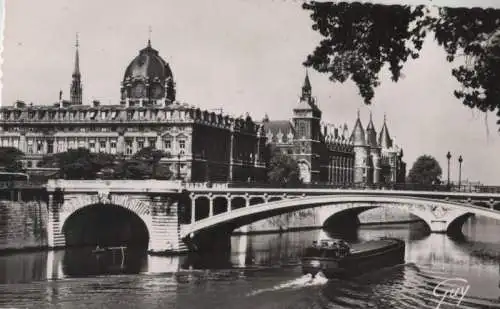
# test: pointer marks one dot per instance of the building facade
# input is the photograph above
(148, 115)
(331, 154)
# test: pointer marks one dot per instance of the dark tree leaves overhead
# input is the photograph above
(359, 39)
(472, 33)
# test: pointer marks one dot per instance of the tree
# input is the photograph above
(152, 157)
(79, 163)
(133, 169)
(82, 164)
(10, 159)
(144, 164)
(283, 170)
(425, 171)
(359, 39)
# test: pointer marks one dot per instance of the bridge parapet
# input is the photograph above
(122, 186)
(463, 197)
(205, 185)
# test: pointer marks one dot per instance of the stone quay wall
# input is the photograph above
(23, 225)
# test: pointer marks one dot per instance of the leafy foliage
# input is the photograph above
(133, 169)
(82, 164)
(283, 170)
(359, 39)
(73, 164)
(474, 32)
(10, 159)
(425, 171)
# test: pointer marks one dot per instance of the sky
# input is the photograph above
(242, 56)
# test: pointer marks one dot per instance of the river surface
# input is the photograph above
(262, 271)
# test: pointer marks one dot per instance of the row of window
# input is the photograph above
(341, 175)
(38, 146)
(90, 115)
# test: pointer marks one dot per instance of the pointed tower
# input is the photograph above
(361, 150)
(384, 139)
(375, 151)
(391, 156)
(306, 89)
(307, 139)
(76, 83)
(371, 134)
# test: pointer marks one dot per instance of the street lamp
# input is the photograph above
(460, 160)
(448, 156)
(179, 166)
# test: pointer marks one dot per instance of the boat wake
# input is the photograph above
(303, 281)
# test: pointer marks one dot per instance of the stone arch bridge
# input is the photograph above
(175, 213)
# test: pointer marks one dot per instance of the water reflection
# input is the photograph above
(23, 267)
(83, 262)
(264, 262)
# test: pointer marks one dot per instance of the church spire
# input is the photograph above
(76, 84)
(76, 71)
(149, 36)
(306, 88)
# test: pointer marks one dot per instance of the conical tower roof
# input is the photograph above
(371, 137)
(384, 139)
(358, 133)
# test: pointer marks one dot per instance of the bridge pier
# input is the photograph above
(55, 237)
(215, 241)
(165, 226)
(446, 220)
(438, 226)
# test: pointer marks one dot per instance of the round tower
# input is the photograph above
(375, 151)
(360, 149)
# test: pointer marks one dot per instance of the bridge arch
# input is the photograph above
(496, 206)
(440, 216)
(137, 208)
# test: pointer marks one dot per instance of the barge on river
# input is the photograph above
(336, 258)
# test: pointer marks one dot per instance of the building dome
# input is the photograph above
(148, 65)
(148, 76)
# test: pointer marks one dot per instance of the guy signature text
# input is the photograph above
(453, 289)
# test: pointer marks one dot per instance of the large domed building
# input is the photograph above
(148, 115)
(148, 77)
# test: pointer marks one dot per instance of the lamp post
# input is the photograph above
(460, 160)
(448, 156)
(179, 166)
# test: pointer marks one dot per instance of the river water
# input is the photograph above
(262, 271)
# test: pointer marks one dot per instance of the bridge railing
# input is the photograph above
(22, 184)
(392, 186)
(40, 183)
